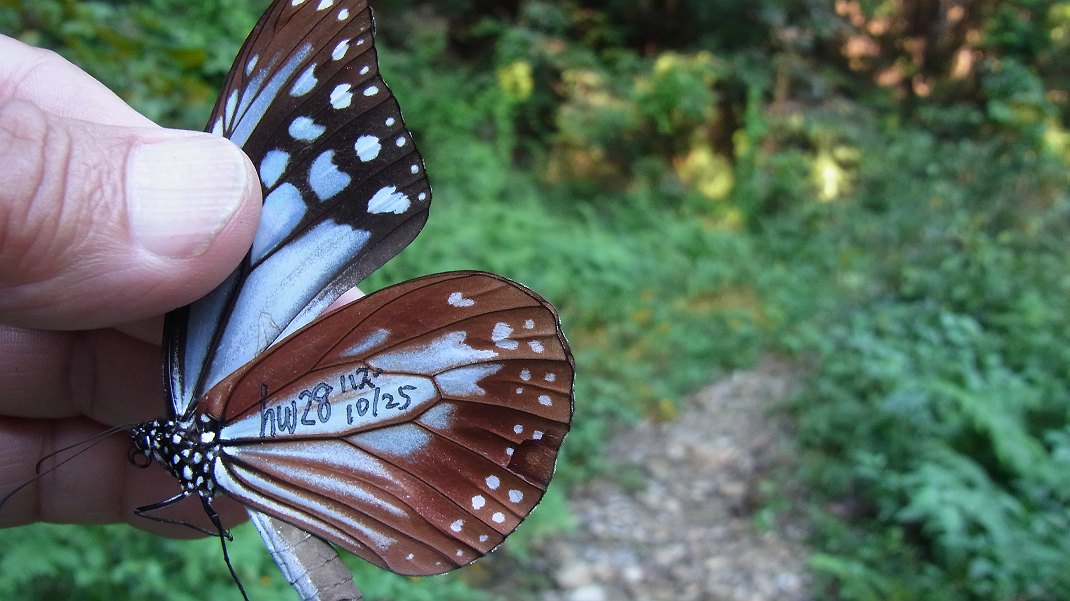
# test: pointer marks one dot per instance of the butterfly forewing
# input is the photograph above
(344, 187)
(415, 427)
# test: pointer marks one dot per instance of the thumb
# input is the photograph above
(103, 224)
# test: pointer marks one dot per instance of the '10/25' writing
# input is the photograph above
(314, 406)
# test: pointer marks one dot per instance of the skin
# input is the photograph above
(87, 271)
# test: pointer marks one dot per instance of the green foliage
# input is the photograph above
(939, 411)
(692, 184)
(109, 563)
(49, 562)
(168, 59)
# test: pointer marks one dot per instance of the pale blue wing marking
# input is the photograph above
(283, 210)
(274, 298)
(250, 117)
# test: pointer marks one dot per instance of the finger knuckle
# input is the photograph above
(47, 195)
(23, 142)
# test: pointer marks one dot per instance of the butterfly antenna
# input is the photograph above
(88, 443)
(4, 499)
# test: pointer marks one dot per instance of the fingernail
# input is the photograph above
(181, 192)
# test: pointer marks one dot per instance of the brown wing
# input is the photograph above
(415, 427)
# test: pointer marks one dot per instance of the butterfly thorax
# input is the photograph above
(188, 448)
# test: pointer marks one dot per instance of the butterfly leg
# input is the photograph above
(144, 512)
(223, 537)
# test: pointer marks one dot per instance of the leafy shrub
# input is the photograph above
(936, 423)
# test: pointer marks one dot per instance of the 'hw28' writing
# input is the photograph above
(357, 394)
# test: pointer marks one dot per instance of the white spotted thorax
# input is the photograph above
(188, 449)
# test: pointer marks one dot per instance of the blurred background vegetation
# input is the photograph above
(875, 188)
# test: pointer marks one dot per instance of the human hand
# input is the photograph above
(107, 222)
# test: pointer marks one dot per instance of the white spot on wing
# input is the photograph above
(525, 374)
(545, 400)
(325, 178)
(388, 200)
(516, 496)
(341, 96)
(371, 90)
(305, 129)
(536, 346)
(456, 526)
(325, 4)
(478, 502)
(272, 166)
(367, 148)
(493, 482)
(500, 337)
(498, 517)
(457, 299)
(340, 50)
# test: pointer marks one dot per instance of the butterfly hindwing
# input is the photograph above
(344, 187)
(415, 427)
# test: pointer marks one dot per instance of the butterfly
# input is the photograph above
(415, 427)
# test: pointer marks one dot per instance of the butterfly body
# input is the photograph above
(188, 448)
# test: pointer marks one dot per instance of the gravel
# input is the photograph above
(687, 528)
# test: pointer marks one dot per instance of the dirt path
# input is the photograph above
(689, 527)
